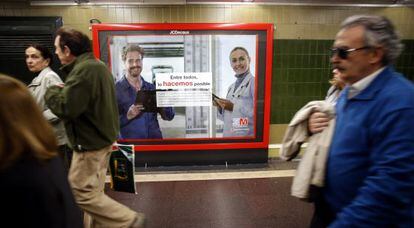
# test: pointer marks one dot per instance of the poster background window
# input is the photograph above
(178, 53)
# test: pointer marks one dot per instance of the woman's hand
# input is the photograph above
(224, 104)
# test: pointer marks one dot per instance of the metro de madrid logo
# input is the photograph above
(241, 122)
(178, 32)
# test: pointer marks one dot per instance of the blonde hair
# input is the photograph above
(23, 130)
(336, 80)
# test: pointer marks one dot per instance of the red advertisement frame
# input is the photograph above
(188, 146)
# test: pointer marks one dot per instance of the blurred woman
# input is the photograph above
(34, 187)
(318, 120)
(336, 87)
(38, 60)
(237, 109)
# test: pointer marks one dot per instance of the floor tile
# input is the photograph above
(240, 203)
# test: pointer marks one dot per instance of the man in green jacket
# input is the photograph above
(87, 104)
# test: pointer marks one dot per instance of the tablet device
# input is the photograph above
(214, 96)
(148, 99)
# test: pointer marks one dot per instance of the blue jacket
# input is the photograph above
(145, 125)
(370, 170)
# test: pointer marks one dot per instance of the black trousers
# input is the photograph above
(323, 215)
(65, 153)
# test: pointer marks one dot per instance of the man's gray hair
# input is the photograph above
(380, 31)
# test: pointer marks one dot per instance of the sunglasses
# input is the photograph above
(343, 53)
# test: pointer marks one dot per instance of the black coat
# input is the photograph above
(34, 194)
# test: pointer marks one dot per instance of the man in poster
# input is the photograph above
(136, 121)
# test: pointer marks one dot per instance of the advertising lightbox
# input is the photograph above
(188, 89)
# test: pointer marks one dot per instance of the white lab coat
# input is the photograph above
(239, 122)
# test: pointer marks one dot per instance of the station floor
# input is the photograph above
(239, 196)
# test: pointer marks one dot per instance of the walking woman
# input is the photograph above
(38, 61)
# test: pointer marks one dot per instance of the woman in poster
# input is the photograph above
(237, 109)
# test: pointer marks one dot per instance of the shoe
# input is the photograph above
(139, 221)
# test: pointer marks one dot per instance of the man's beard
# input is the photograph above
(134, 72)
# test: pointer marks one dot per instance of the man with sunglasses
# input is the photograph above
(370, 170)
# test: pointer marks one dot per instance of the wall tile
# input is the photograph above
(303, 71)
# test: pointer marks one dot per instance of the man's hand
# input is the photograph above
(317, 122)
(133, 111)
(224, 104)
(162, 112)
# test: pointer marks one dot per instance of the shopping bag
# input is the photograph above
(122, 168)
